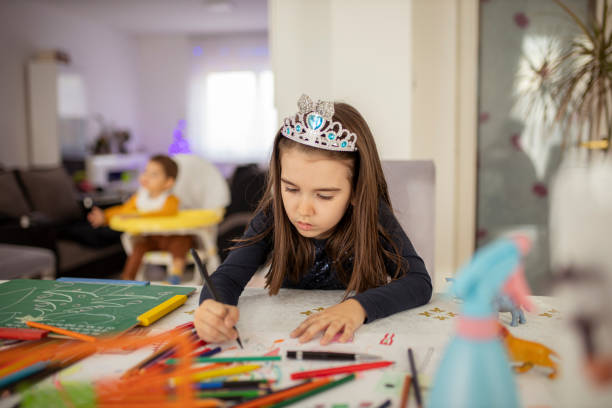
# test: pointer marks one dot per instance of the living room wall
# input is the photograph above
(103, 56)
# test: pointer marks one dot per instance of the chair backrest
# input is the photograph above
(411, 186)
(199, 183)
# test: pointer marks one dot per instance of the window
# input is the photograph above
(233, 116)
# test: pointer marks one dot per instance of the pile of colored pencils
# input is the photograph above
(178, 374)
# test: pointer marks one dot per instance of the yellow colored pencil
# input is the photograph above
(161, 310)
(59, 330)
(222, 372)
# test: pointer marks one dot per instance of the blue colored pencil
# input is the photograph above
(213, 385)
(23, 373)
(103, 281)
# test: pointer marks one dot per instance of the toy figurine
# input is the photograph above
(529, 353)
(503, 303)
(475, 371)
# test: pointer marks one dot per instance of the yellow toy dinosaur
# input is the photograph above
(529, 353)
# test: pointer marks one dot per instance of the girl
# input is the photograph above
(325, 222)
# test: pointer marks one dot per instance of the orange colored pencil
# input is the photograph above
(405, 391)
(58, 330)
(283, 394)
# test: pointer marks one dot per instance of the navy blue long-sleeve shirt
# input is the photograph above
(411, 290)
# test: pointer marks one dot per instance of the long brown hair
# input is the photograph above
(356, 235)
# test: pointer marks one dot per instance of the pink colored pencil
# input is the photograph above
(339, 370)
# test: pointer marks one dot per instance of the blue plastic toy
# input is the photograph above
(504, 304)
(475, 371)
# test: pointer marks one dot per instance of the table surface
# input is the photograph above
(266, 322)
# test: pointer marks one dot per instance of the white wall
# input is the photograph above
(104, 57)
(347, 50)
(410, 68)
(163, 64)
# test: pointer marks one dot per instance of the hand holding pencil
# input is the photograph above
(214, 321)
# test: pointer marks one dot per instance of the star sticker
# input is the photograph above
(307, 313)
(437, 310)
(545, 314)
(451, 314)
(319, 309)
(425, 314)
(440, 317)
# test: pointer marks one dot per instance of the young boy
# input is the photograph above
(153, 199)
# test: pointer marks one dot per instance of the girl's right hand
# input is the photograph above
(215, 321)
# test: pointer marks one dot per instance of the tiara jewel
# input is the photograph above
(313, 126)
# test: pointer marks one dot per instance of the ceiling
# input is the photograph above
(172, 16)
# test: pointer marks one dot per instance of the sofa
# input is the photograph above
(40, 208)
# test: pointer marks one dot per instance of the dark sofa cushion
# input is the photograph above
(12, 202)
(51, 193)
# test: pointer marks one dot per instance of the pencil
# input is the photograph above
(210, 285)
(315, 391)
(405, 391)
(235, 359)
(231, 394)
(339, 370)
(415, 378)
(58, 330)
(283, 394)
(23, 373)
(224, 372)
(213, 385)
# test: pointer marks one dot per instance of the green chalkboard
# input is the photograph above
(87, 308)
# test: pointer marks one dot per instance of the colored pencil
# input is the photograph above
(415, 379)
(315, 391)
(231, 394)
(103, 281)
(209, 284)
(23, 373)
(212, 385)
(59, 330)
(405, 391)
(284, 394)
(339, 370)
(161, 310)
(235, 359)
(224, 372)
(22, 334)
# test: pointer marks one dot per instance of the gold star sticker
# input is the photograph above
(440, 317)
(318, 309)
(307, 313)
(451, 314)
(190, 312)
(437, 310)
(425, 314)
(545, 314)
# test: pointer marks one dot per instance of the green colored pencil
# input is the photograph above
(228, 359)
(310, 393)
(231, 394)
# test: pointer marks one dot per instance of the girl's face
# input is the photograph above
(316, 191)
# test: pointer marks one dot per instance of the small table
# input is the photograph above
(266, 321)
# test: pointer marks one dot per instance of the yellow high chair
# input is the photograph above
(203, 194)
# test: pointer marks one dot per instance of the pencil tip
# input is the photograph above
(239, 342)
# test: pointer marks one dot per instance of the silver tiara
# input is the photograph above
(313, 126)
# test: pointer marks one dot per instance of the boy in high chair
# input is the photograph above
(153, 199)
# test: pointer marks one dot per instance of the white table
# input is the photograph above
(266, 320)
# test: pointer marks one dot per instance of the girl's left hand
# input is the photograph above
(344, 318)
